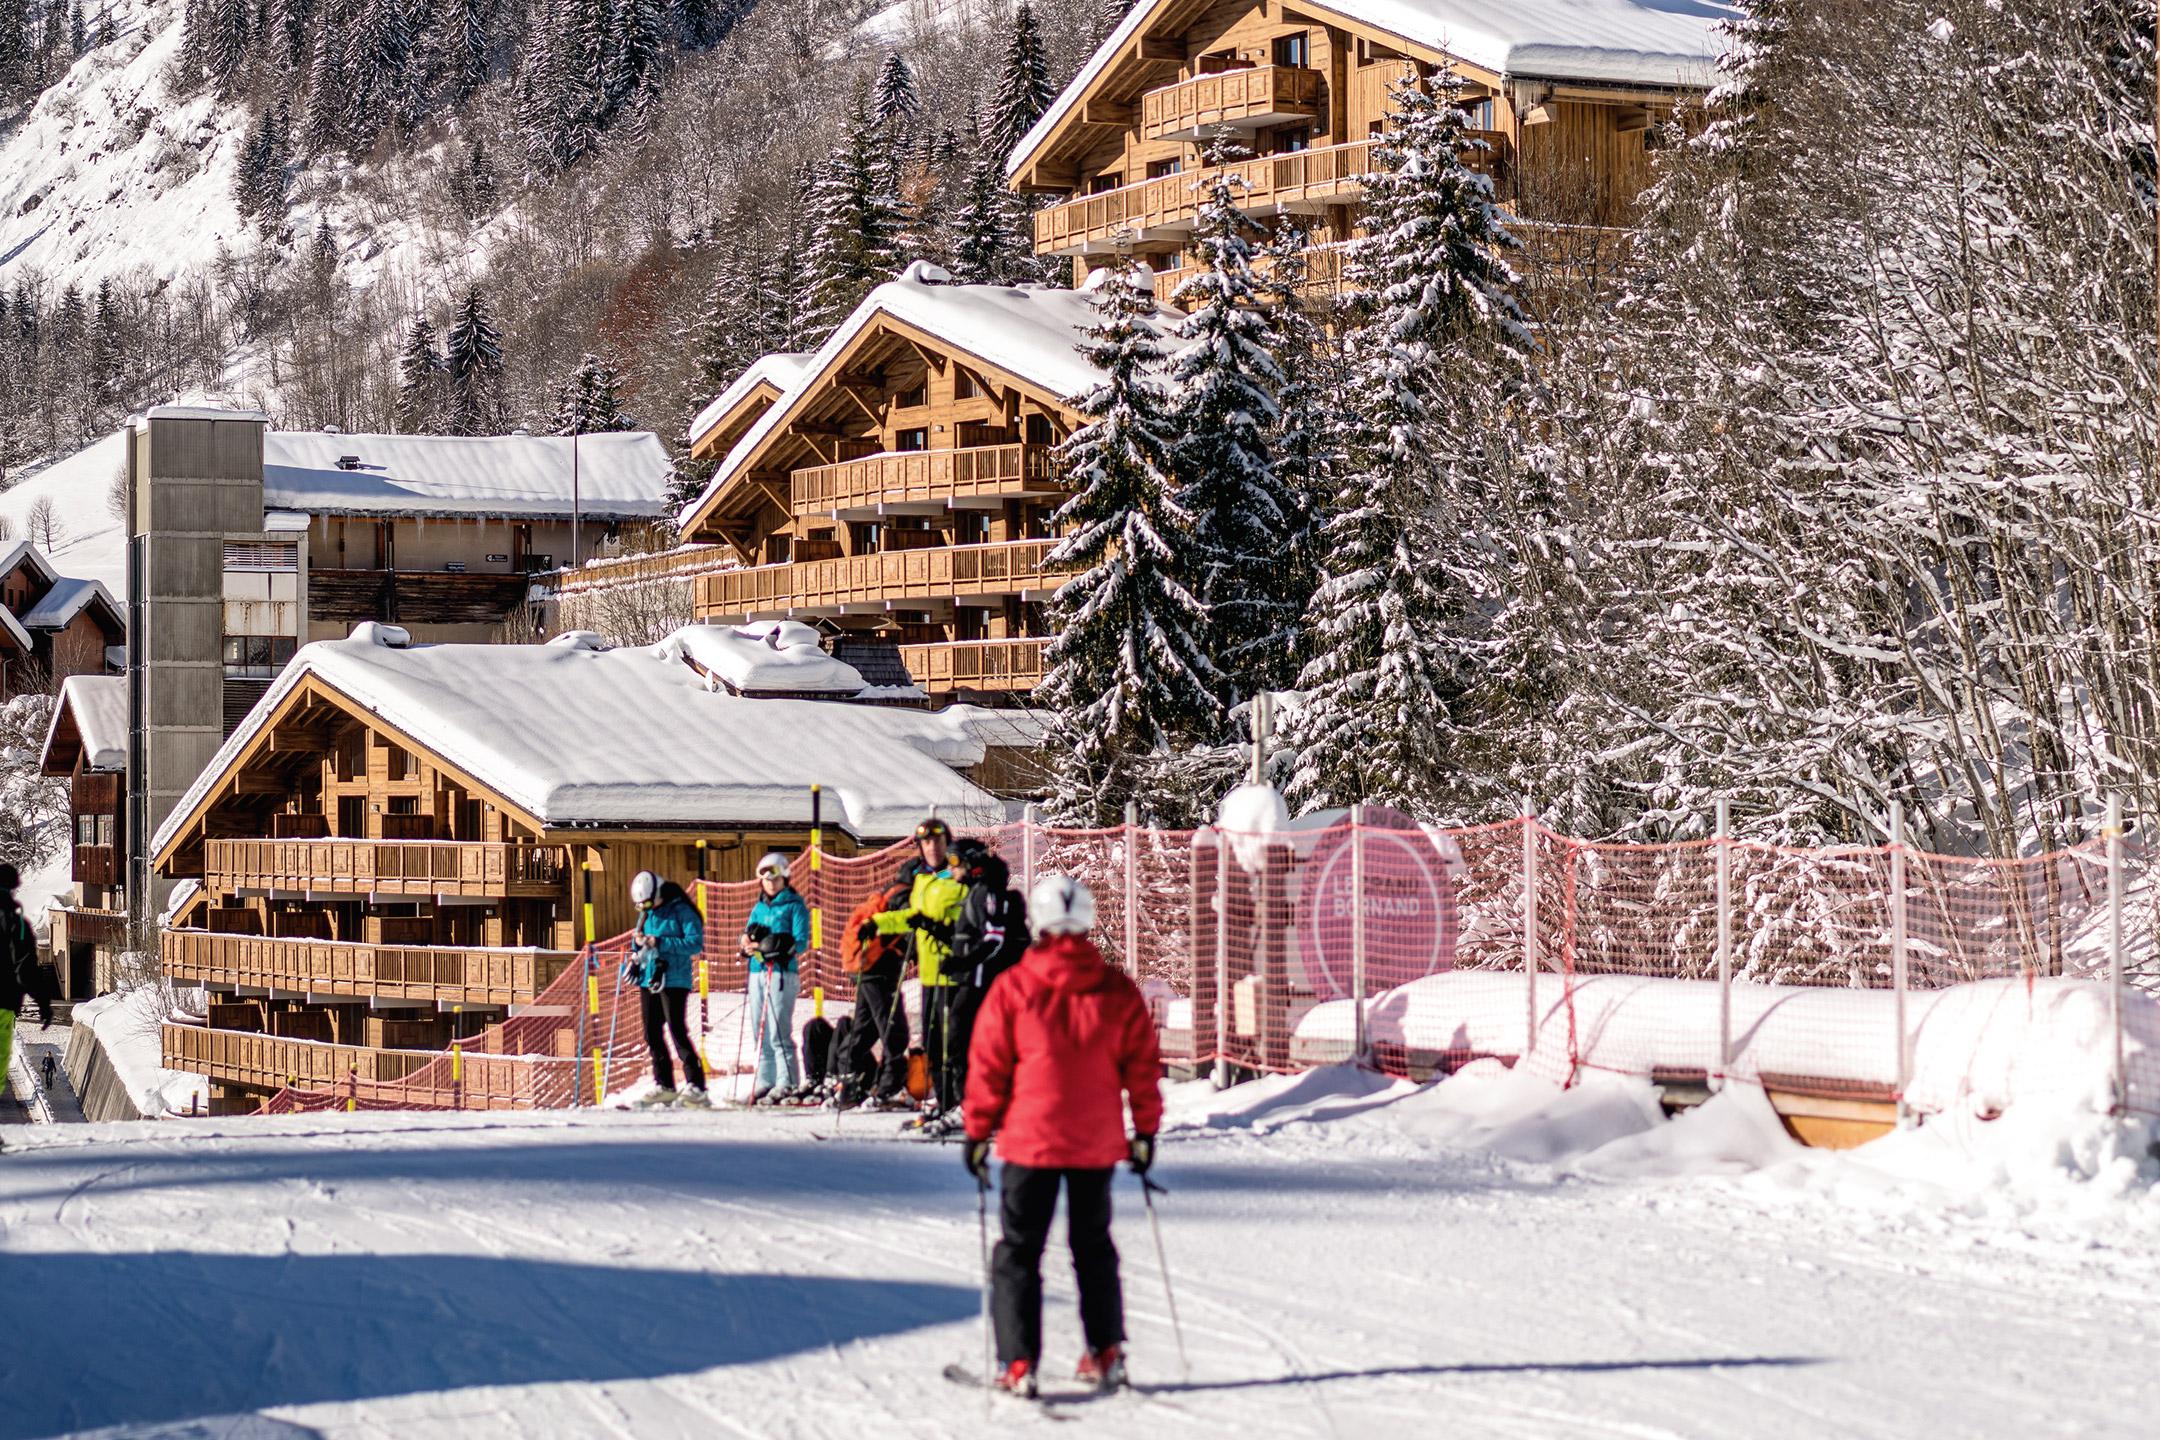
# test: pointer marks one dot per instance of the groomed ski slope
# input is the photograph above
(1488, 1257)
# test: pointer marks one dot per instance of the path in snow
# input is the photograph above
(1352, 1275)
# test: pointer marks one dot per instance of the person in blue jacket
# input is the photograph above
(775, 940)
(671, 938)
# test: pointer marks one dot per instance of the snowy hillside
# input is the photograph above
(88, 539)
(109, 176)
(1350, 1258)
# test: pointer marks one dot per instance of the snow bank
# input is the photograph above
(1976, 1048)
(127, 1026)
(768, 657)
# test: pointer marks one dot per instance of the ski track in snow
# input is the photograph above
(630, 1274)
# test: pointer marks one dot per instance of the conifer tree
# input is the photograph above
(475, 363)
(1129, 675)
(420, 386)
(1388, 667)
(635, 50)
(465, 48)
(590, 401)
(1226, 385)
(896, 102)
(856, 245)
(990, 243)
(1024, 90)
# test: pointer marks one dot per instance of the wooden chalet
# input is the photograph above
(402, 846)
(87, 746)
(53, 626)
(1564, 94)
(899, 493)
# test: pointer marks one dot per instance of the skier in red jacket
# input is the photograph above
(1061, 1041)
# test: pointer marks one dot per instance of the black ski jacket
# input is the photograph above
(20, 973)
(991, 932)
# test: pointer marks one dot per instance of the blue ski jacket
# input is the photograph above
(678, 935)
(779, 915)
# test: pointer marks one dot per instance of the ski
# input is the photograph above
(967, 1379)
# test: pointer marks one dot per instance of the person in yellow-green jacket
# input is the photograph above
(934, 900)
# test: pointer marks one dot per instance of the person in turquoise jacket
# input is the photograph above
(670, 941)
(775, 940)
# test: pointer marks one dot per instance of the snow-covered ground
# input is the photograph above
(1352, 1258)
(88, 539)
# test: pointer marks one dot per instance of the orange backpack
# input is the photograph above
(857, 954)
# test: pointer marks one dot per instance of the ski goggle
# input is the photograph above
(933, 830)
(776, 872)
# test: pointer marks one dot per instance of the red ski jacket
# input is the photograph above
(1060, 1041)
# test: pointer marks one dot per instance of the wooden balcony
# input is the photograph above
(382, 867)
(270, 1062)
(924, 482)
(680, 564)
(1004, 665)
(417, 597)
(1162, 210)
(866, 584)
(1232, 99)
(333, 969)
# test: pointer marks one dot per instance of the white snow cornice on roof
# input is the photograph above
(634, 737)
(619, 476)
(1033, 333)
(99, 705)
(1659, 43)
(780, 370)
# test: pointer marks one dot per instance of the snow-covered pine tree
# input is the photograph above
(229, 28)
(896, 102)
(1388, 620)
(420, 381)
(329, 70)
(382, 89)
(990, 241)
(475, 363)
(1225, 386)
(1024, 90)
(463, 47)
(1307, 438)
(78, 32)
(856, 245)
(1129, 676)
(590, 401)
(636, 51)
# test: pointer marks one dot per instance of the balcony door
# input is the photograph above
(1294, 51)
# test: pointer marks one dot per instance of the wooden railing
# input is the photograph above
(1323, 271)
(976, 664)
(459, 975)
(386, 867)
(1259, 94)
(681, 563)
(924, 475)
(364, 1072)
(1007, 568)
(1160, 208)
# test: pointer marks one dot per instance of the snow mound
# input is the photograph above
(765, 657)
(128, 1026)
(1330, 1092)
(1249, 815)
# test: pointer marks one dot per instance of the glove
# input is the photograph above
(1143, 1154)
(977, 1156)
(938, 930)
(866, 932)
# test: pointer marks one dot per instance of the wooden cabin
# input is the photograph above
(87, 746)
(1563, 96)
(899, 494)
(402, 845)
(53, 626)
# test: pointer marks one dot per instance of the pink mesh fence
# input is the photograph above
(1861, 973)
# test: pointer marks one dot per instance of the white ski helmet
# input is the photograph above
(773, 860)
(644, 888)
(1060, 905)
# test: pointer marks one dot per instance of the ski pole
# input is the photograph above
(1148, 1191)
(982, 1228)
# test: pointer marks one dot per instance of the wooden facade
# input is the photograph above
(39, 650)
(89, 928)
(901, 498)
(365, 901)
(1304, 90)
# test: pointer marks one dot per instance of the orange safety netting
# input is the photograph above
(1862, 972)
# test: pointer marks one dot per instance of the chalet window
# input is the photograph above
(403, 805)
(257, 657)
(966, 386)
(1038, 430)
(1104, 183)
(1294, 50)
(1289, 142)
(1479, 113)
(86, 829)
(910, 440)
(1157, 169)
(909, 399)
(104, 834)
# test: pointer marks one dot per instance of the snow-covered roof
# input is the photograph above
(1617, 42)
(21, 551)
(99, 706)
(1030, 332)
(765, 657)
(620, 476)
(12, 628)
(781, 370)
(64, 601)
(204, 412)
(629, 737)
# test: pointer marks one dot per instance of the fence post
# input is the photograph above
(584, 1024)
(1360, 1035)
(1028, 822)
(1530, 921)
(1897, 955)
(2116, 979)
(1724, 939)
(1132, 891)
(1222, 961)
(457, 1075)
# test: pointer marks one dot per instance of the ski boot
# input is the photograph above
(1017, 1378)
(657, 1100)
(694, 1099)
(1104, 1369)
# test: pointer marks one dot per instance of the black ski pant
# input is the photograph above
(1028, 1200)
(944, 1043)
(878, 1019)
(664, 1020)
(966, 1000)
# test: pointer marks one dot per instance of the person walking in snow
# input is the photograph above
(774, 941)
(1062, 1042)
(989, 936)
(934, 899)
(21, 977)
(670, 940)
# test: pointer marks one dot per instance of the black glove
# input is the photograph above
(775, 948)
(938, 930)
(867, 931)
(977, 1156)
(756, 934)
(1143, 1154)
